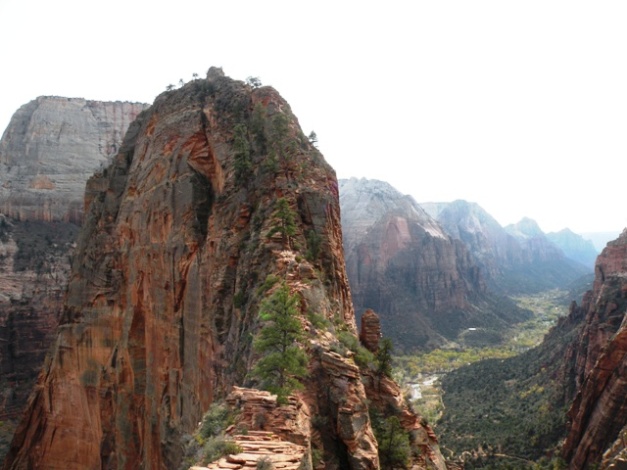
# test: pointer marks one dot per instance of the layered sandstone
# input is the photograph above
(598, 413)
(50, 148)
(181, 242)
(424, 284)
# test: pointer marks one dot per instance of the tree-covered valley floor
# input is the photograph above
(498, 413)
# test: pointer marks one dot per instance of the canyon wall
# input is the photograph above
(598, 414)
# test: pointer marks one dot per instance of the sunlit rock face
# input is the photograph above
(401, 263)
(50, 148)
(182, 240)
(598, 414)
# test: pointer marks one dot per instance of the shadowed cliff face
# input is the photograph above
(400, 262)
(598, 414)
(178, 243)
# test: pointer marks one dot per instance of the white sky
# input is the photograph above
(520, 106)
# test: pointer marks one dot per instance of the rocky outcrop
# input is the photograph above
(50, 148)
(258, 447)
(402, 264)
(370, 331)
(516, 259)
(214, 196)
(598, 413)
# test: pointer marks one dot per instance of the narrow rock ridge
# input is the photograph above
(181, 242)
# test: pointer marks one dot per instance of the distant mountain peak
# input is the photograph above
(525, 228)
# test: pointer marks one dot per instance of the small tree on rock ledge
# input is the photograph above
(283, 361)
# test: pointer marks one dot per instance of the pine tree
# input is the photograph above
(283, 362)
(384, 358)
(287, 225)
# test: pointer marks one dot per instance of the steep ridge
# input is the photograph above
(402, 264)
(515, 259)
(50, 148)
(598, 413)
(186, 233)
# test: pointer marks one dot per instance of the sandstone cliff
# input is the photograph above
(181, 243)
(598, 413)
(516, 259)
(424, 284)
(50, 148)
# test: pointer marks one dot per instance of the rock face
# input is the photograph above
(402, 264)
(50, 148)
(214, 196)
(370, 331)
(574, 246)
(598, 413)
(515, 259)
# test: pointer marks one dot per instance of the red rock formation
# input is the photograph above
(370, 332)
(598, 412)
(175, 255)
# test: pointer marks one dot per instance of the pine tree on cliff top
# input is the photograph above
(283, 362)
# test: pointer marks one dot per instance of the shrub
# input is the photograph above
(215, 420)
(219, 446)
(264, 463)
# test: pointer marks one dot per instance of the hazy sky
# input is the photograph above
(520, 106)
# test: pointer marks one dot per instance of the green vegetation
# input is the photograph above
(210, 443)
(242, 159)
(383, 358)
(363, 358)
(504, 405)
(393, 441)
(314, 242)
(283, 363)
(286, 222)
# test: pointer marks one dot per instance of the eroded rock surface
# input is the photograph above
(50, 148)
(598, 413)
(183, 239)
